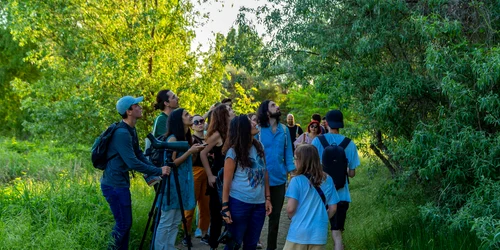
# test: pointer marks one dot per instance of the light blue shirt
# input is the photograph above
(351, 153)
(278, 152)
(248, 183)
(310, 222)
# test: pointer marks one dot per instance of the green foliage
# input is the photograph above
(93, 52)
(12, 66)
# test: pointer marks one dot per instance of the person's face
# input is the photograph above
(173, 100)
(314, 128)
(254, 130)
(289, 120)
(254, 119)
(187, 119)
(231, 112)
(274, 109)
(136, 111)
(198, 123)
(323, 123)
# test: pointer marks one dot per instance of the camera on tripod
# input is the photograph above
(163, 157)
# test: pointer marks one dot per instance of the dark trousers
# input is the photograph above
(248, 220)
(120, 203)
(215, 217)
(277, 199)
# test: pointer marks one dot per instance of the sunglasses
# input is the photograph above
(198, 122)
(314, 127)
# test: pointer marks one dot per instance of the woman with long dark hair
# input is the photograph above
(245, 197)
(312, 201)
(216, 135)
(178, 130)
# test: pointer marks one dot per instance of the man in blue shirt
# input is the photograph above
(335, 121)
(125, 155)
(275, 137)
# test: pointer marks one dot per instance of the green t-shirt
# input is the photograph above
(160, 125)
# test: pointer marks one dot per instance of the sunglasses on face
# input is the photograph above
(314, 127)
(198, 122)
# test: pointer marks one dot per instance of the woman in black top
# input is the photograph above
(216, 135)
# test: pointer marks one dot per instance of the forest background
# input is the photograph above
(418, 82)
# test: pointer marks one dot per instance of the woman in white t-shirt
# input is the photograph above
(312, 200)
(245, 197)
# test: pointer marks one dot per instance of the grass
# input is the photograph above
(50, 199)
(385, 215)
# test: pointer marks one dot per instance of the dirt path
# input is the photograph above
(282, 232)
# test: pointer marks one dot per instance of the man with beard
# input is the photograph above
(275, 137)
(295, 130)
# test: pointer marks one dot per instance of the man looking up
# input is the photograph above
(279, 161)
(166, 101)
(335, 121)
(295, 130)
(124, 155)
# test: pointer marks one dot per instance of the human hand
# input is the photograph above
(211, 180)
(269, 207)
(165, 170)
(226, 215)
(196, 148)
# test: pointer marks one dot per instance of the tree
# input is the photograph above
(93, 52)
(422, 77)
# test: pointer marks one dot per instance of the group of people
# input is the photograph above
(253, 155)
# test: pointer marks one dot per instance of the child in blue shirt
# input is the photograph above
(306, 208)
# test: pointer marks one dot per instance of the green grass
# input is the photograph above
(385, 215)
(50, 199)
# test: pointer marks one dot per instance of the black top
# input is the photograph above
(294, 132)
(219, 158)
(197, 162)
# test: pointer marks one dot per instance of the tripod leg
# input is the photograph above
(184, 221)
(150, 215)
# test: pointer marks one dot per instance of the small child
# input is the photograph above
(312, 200)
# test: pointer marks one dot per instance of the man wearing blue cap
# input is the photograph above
(335, 121)
(124, 155)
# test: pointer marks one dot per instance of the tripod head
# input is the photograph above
(174, 146)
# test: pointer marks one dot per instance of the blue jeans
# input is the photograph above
(120, 203)
(248, 220)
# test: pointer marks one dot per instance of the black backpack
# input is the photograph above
(100, 147)
(157, 156)
(335, 161)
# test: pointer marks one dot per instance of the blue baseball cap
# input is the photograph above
(126, 102)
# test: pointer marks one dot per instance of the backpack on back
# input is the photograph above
(335, 160)
(100, 147)
(157, 156)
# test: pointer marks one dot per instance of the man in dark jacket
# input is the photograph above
(124, 155)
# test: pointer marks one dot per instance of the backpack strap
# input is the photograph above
(345, 142)
(323, 141)
(318, 190)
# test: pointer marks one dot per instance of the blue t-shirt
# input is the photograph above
(249, 183)
(310, 222)
(351, 153)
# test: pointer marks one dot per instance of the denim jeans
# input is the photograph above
(121, 206)
(248, 220)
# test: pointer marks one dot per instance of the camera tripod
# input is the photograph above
(159, 193)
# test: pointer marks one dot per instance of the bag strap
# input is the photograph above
(318, 190)
(345, 142)
(323, 141)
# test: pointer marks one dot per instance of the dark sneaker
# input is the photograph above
(204, 239)
(186, 243)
